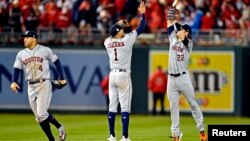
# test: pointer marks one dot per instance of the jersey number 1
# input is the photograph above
(116, 59)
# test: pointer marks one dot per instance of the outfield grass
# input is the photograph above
(84, 127)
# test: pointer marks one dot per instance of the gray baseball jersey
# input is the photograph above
(178, 54)
(120, 51)
(120, 86)
(35, 64)
(179, 82)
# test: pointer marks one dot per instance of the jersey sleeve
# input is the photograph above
(132, 37)
(51, 56)
(172, 33)
(172, 30)
(106, 41)
(18, 62)
(190, 45)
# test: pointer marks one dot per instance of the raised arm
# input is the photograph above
(173, 18)
(142, 10)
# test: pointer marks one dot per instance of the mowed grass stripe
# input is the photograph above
(91, 127)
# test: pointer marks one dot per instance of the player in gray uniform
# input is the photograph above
(34, 61)
(179, 81)
(119, 48)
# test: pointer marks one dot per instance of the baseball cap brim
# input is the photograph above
(29, 33)
(23, 35)
(188, 29)
(114, 29)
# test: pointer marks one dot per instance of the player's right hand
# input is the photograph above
(14, 87)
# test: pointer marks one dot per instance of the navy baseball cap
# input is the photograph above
(30, 33)
(188, 29)
(114, 29)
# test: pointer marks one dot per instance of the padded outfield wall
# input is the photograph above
(219, 76)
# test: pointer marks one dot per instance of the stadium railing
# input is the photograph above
(215, 37)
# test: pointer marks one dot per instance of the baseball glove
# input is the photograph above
(172, 13)
(57, 84)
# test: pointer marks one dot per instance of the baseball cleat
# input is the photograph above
(125, 139)
(111, 138)
(203, 136)
(178, 138)
(62, 133)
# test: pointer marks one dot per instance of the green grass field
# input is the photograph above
(91, 127)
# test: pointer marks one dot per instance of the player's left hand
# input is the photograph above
(171, 13)
(142, 7)
(14, 87)
(63, 82)
(59, 84)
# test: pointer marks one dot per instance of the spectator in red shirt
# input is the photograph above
(50, 13)
(230, 14)
(157, 83)
(105, 89)
(207, 21)
(63, 19)
(119, 6)
(155, 15)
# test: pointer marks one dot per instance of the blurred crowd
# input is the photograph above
(85, 15)
(18, 15)
(216, 14)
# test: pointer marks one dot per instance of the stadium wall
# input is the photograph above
(221, 87)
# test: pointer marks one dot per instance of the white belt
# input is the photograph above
(119, 70)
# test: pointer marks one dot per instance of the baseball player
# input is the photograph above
(34, 61)
(119, 48)
(179, 81)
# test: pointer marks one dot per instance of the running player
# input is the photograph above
(34, 61)
(119, 48)
(179, 81)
